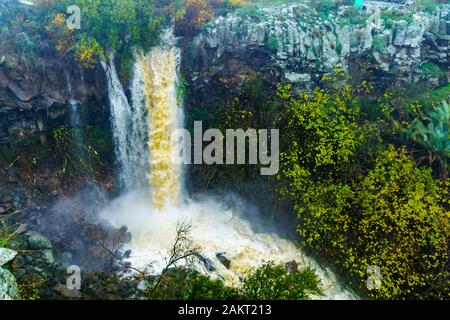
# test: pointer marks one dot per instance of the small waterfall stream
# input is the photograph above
(74, 112)
(75, 122)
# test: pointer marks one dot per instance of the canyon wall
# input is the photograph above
(296, 44)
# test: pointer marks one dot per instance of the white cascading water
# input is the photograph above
(75, 122)
(129, 126)
(74, 114)
(152, 217)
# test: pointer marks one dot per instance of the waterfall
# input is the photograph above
(139, 127)
(150, 118)
(152, 115)
(160, 70)
(129, 126)
(74, 114)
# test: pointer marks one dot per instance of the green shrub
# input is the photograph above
(391, 16)
(78, 157)
(324, 135)
(106, 26)
(379, 43)
(396, 217)
(358, 203)
(274, 282)
(437, 95)
(324, 7)
(272, 43)
(270, 281)
(339, 47)
(187, 284)
(432, 134)
(431, 69)
(100, 139)
(88, 51)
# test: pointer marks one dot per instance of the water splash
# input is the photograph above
(217, 228)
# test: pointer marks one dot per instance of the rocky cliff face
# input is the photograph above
(41, 93)
(293, 43)
(290, 43)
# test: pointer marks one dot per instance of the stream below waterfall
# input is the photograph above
(217, 228)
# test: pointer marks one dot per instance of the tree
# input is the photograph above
(183, 249)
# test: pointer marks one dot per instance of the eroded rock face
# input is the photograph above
(292, 43)
(37, 96)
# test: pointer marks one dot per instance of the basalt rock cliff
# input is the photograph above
(294, 43)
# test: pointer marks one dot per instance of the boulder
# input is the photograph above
(8, 285)
(292, 267)
(47, 256)
(209, 264)
(37, 241)
(6, 255)
(222, 257)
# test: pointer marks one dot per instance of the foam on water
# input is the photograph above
(216, 229)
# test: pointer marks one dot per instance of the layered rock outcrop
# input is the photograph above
(294, 43)
(38, 95)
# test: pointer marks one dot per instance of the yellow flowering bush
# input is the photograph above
(88, 50)
(396, 218)
(359, 203)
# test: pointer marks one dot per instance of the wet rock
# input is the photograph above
(209, 264)
(222, 257)
(297, 77)
(8, 285)
(127, 254)
(47, 256)
(6, 255)
(37, 241)
(26, 94)
(291, 267)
